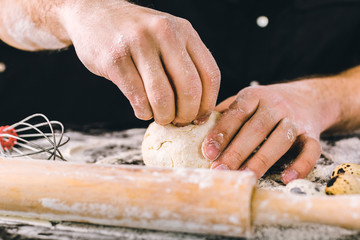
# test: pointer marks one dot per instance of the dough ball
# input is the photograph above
(177, 147)
(304, 187)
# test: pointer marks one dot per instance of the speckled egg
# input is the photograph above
(343, 184)
(346, 168)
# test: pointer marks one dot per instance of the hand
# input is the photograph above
(157, 60)
(282, 113)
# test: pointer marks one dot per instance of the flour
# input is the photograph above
(115, 148)
(124, 148)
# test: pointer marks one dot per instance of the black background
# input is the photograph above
(303, 38)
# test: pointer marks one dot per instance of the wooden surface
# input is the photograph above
(21, 229)
(30, 229)
(225, 203)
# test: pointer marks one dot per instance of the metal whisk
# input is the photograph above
(35, 136)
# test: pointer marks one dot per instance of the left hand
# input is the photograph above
(282, 113)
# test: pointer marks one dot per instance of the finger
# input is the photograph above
(208, 70)
(157, 86)
(277, 144)
(250, 136)
(228, 125)
(185, 79)
(187, 85)
(221, 107)
(125, 75)
(305, 161)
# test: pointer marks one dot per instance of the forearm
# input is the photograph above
(33, 24)
(345, 89)
(335, 99)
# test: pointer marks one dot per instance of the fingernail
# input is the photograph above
(211, 150)
(289, 175)
(201, 120)
(221, 167)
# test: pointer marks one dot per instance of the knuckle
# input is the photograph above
(184, 22)
(192, 92)
(131, 92)
(218, 136)
(214, 76)
(262, 160)
(137, 101)
(138, 36)
(236, 156)
(118, 50)
(238, 108)
(290, 129)
(309, 163)
(225, 136)
(269, 114)
(163, 26)
(243, 94)
(291, 134)
(278, 100)
(116, 57)
(161, 100)
(242, 98)
(258, 125)
(288, 124)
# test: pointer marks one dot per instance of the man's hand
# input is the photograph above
(283, 114)
(157, 60)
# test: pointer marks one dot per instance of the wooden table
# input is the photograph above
(124, 148)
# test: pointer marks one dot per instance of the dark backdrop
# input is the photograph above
(303, 37)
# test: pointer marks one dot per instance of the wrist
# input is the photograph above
(321, 98)
(328, 101)
(55, 24)
(346, 88)
(75, 15)
(337, 100)
(32, 25)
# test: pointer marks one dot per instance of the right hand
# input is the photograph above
(157, 60)
(289, 115)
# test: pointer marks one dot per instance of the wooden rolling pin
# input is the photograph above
(186, 200)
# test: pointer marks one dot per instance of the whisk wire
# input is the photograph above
(26, 138)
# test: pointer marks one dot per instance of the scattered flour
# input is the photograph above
(124, 148)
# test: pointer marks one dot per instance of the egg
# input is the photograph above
(346, 168)
(343, 184)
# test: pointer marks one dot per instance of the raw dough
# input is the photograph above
(178, 147)
(304, 187)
